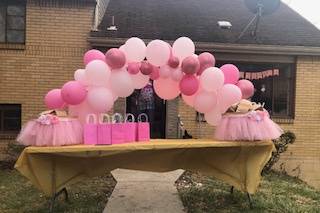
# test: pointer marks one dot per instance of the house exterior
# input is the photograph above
(43, 52)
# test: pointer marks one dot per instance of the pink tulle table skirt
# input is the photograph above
(251, 126)
(67, 131)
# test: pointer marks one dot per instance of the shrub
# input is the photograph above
(281, 145)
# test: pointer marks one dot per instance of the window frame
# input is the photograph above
(4, 107)
(6, 3)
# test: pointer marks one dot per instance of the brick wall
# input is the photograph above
(56, 39)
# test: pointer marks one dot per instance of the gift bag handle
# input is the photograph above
(117, 115)
(102, 117)
(93, 116)
(144, 115)
(130, 115)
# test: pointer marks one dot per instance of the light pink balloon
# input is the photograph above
(189, 100)
(146, 68)
(134, 68)
(231, 73)
(97, 73)
(121, 83)
(190, 65)
(189, 85)
(165, 71)
(212, 79)
(115, 58)
(73, 92)
(177, 74)
(228, 95)
(206, 60)
(53, 99)
(100, 99)
(213, 117)
(166, 88)
(93, 55)
(183, 47)
(155, 73)
(135, 49)
(205, 101)
(80, 76)
(173, 61)
(246, 87)
(139, 80)
(158, 52)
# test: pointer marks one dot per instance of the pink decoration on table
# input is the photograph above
(115, 58)
(90, 131)
(143, 128)
(134, 68)
(118, 129)
(155, 73)
(246, 87)
(190, 65)
(53, 99)
(166, 88)
(104, 129)
(231, 73)
(73, 92)
(189, 85)
(146, 68)
(131, 128)
(173, 62)
(93, 55)
(206, 60)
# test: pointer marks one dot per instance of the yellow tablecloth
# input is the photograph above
(238, 163)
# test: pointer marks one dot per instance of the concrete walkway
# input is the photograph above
(146, 192)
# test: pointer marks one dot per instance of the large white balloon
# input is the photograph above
(183, 47)
(100, 99)
(212, 79)
(121, 83)
(134, 49)
(97, 73)
(80, 76)
(158, 52)
(139, 80)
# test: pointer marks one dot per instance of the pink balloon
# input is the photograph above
(134, 68)
(206, 60)
(231, 73)
(100, 99)
(189, 100)
(165, 71)
(121, 83)
(155, 73)
(177, 75)
(189, 85)
(146, 68)
(166, 88)
(97, 73)
(115, 58)
(190, 65)
(173, 62)
(135, 49)
(73, 92)
(158, 52)
(212, 79)
(183, 47)
(139, 80)
(80, 75)
(93, 55)
(246, 87)
(213, 117)
(228, 95)
(205, 101)
(53, 99)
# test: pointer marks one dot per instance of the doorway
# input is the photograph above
(146, 101)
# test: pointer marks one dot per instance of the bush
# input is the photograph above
(281, 146)
(13, 152)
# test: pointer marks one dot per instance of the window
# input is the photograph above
(10, 118)
(12, 21)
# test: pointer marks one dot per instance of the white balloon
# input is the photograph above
(183, 47)
(140, 80)
(158, 52)
(212, 79)
(100, 99)
(134, 49)
(97, 73)
(121, 83)
(213, 117)
(80, 76)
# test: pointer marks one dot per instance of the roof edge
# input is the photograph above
(223, 47)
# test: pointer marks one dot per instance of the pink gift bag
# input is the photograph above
(117, 132)
(130, 128)
(90, 135)
(104, 130)
(143, 128)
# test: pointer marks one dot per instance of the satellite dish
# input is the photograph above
(267, 6)
(259, 8)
